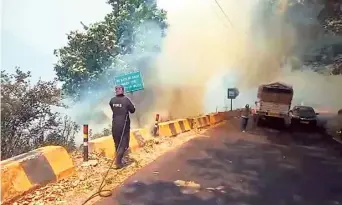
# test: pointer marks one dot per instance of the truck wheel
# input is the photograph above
(254, 118)
(260, 122)
(293, 126)
(283, 124)
(287, 122)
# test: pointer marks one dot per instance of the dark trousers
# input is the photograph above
(244, 122)
(121, 140)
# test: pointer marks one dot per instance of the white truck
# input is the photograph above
(273, 103)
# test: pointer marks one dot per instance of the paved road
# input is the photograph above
(262, 167)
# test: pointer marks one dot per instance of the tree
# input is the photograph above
(324, 58)
(83, 63)
(105, 132)
(337, 70)
(27, 119)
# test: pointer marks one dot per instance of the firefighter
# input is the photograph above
(121, 107)
(244, 118)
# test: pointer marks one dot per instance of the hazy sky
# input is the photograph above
(32, 29)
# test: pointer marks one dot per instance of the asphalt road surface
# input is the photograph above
(263, 166)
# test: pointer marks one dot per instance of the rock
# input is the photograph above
(75, 183)
(179, 183)
(188, 191)
(189, 184)
(92, 163)
(82, 177)
(220, 187)
(193, 185)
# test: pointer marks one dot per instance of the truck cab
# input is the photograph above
(273, 102)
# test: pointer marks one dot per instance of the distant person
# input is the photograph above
(244, 118)
(121, 124)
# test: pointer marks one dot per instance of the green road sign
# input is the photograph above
(131, 81)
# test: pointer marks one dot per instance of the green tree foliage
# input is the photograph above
(27, 118)
(107, 131)
(337, 70)
(327, 58)
(89, 54)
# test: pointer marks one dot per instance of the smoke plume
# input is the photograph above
(205, 52)
(256, 42)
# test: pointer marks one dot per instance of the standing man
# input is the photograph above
(244, 118)
(121, 107)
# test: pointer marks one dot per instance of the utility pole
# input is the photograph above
(84, 26)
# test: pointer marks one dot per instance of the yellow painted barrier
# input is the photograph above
(223, 115)
(105, 145)
(214, 118)
(200, 122)
(220, 116)
(173, 128)
(28, 171)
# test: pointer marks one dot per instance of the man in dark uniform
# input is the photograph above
(121, 106)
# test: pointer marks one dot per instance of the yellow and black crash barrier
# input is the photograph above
(105, 145)
(173, 128)
(31, 170)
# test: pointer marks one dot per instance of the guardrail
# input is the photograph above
(31, 170)
(105, 145)
(39, 167)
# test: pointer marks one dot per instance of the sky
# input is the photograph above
(31, 30)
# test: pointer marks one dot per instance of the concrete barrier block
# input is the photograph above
(138, 138)
(173, 128)
(28, 171)
(184, 125)
(200, 122)
(214, 118)
(229, 114)
(167, 129)
(105, 145)
(211, 119)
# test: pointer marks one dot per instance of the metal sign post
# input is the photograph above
(85, 143)
(232, 94)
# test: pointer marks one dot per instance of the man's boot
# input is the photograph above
(118, 166)
(118, 161)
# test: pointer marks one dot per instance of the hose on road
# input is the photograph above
(106, 192)
(102, 192)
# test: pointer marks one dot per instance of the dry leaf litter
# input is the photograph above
(86, 180)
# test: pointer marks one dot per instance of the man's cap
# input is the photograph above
(119, 86)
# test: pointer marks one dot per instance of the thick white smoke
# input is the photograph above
(204, 53)
(209, 52)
